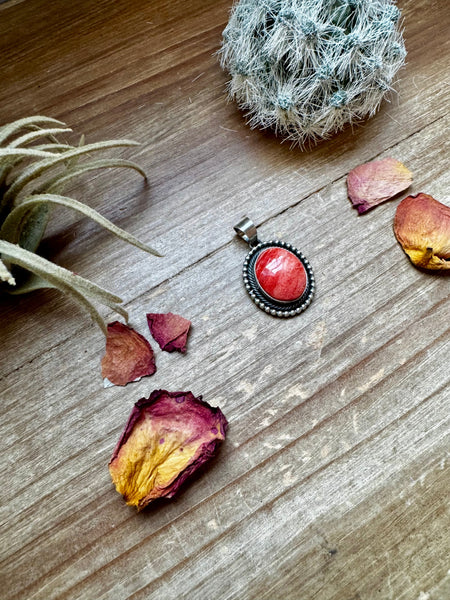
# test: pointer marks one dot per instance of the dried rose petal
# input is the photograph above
(128, 355)
(169, 330)
(377, 181)
(422, 227)
(167, 438)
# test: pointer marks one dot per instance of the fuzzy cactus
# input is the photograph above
(305, 68)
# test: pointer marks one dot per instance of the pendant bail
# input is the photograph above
(246, 229)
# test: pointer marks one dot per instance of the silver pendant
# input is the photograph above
(278, 278)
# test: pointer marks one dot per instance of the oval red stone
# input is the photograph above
(280, 274)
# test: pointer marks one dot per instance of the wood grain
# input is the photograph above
(333, 482)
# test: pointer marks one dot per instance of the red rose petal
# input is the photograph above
(169, 330)
(375, 182)
(128, 355)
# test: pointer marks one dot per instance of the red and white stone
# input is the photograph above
(280, 274)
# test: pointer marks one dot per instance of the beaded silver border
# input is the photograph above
(265, 302)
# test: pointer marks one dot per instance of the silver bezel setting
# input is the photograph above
(265, 302)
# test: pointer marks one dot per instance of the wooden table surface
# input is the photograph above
(333, 481)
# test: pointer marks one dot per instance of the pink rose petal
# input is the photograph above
(375, 182)
(128, 355)
(169, 330)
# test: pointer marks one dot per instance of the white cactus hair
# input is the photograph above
(305, 68)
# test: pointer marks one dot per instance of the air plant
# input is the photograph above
(29, 150)
(307, 67)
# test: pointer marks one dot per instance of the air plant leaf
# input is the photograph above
(375, 182)
(29, 149)
(10, 129)
(54, 147)
(24, 153)
(12, 155)
(56, 184)
(85, 287)
(128, 355)
(5, 274)
(9, 157)
(28, 230)
(60, 278)
(37, 169)
(32, 283)
(32, 136)
(49, 275)
(166, 439)
(422, 227)
(17, 219)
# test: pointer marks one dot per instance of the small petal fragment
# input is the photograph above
(167, 438)
(169, 330)
(128, 355)
(422, 227)
(377, 181)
